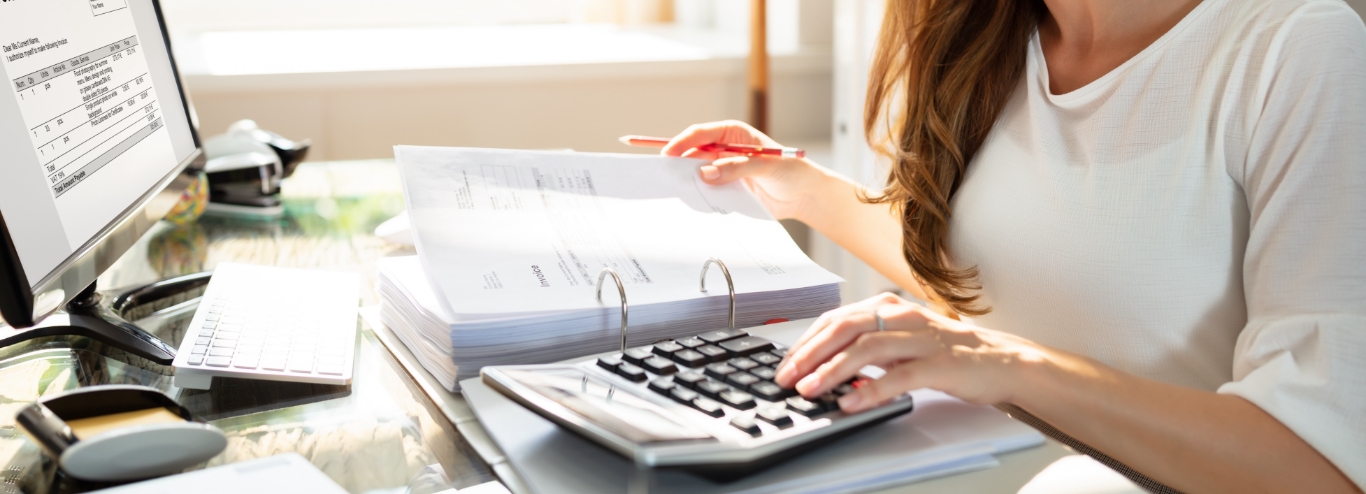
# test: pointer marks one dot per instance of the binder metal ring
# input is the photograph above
(621, 289)
(730, 285)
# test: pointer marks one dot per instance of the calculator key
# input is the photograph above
(245, 362)
(829, 402)
(196, 359)
(690, 358)
(711, 389)
(746, 423)
(202, 340)
(803, 406)
(663, 385)
(765, 358)
(684, 396)
(659, 365)
(689, 379)
(742, 380)
(778, 352)
(609, 362)
(763, 373)
(708, 406)
(302, 365)
(720, 370)
(775, 416)
(219, 361)
(331, 369)
(742, 363)
(667, 348)
(770, 391)
(225, 343)
(200, 349)
(713, 353)
(745, 346)
(227, 335)
(738, 399)
(220, 352)
(721, 335)
(637, 355)
(692, 342)
(632, 372)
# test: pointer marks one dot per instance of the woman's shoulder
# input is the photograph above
(1278, 22)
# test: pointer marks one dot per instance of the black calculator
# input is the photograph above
(706, 403)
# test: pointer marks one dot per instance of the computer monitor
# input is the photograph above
(96, 145)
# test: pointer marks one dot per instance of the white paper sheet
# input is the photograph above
(561, 217)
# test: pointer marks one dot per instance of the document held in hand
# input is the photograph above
(511, 244)
(505, 233)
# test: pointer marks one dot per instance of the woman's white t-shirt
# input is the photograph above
(1197, 216)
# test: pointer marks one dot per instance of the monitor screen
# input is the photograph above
(91, 121)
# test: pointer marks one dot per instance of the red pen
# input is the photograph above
(659, 142)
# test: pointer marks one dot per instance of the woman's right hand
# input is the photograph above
(784, 185)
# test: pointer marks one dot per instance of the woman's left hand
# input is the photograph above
(917, 347)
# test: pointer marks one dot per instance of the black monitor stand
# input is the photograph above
(90, 318)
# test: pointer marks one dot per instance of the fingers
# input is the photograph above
(727, 170)
(901, 378)
(884, 349)
(840, 327)
(726, 132)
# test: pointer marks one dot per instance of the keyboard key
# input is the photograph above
(667, 348)
(200, 349)
(689, 379)
(631, 372)
(196, 359)
(720, 370)
(708, 406)
(245, 362)
(225, 344)
(737, 399)
(747, 424)
(663, 385)
(226, 336)
(804, 406)
(746, 346)
(711, 389)
(220, 352)
(684, 396)
(330, 361)
(301, 365)
(766, 358)
(332, 351)
(691, 342)
(609, 362)
(771, 391)
(721, 335)
(637, 355)
(659, 365)
(829, 402)
(335, 370)
(779, 352)
(763, 373)
(741, 380)
(690, 358)
(203, 340)
(742, 363)
(219, 361)
(713, 353)
(273, 362)
(775, 416)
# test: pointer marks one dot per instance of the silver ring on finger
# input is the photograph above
(881, 326)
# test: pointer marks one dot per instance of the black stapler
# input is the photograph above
(245, 166)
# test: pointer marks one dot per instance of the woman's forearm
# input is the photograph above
(869, 231)
(1192, 440)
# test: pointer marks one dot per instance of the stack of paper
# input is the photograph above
(511, 245)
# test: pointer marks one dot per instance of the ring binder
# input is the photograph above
(730, 285)
(621, 289)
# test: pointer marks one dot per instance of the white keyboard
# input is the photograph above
(259, 322)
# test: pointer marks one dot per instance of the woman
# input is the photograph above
(1155, 212)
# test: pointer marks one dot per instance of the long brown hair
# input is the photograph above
(942, 72)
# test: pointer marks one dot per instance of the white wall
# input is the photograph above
(1359, 5)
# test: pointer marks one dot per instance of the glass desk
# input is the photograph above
(381, 434)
